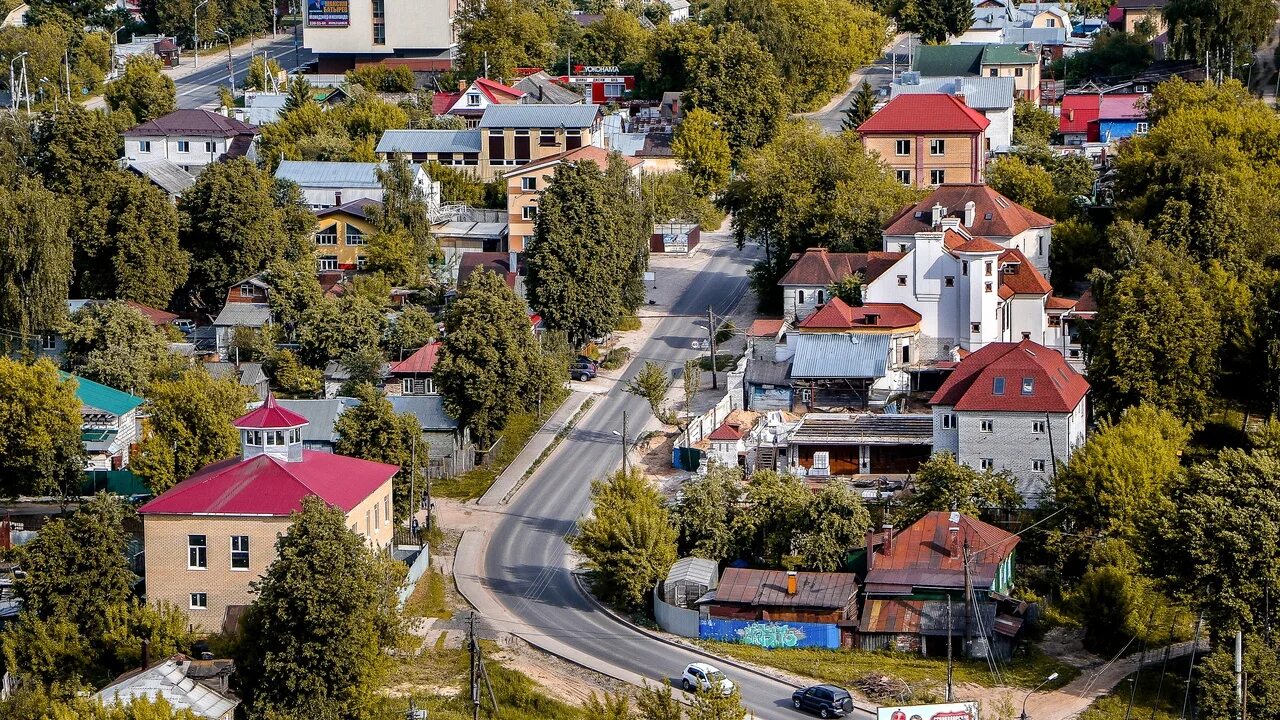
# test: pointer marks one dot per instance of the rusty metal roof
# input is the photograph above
(743, 586)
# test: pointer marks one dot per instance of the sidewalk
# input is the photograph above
(509, 480)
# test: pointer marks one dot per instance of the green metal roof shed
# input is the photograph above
(101, 397)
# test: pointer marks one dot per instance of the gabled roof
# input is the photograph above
(540, 88)
(497, 262)
(920, 556)
(768, 588)
(726, 432)
(429, 141)
(1053, 385)
(328, 174)
(977, 245)
(1077, 112)
(358, 208)
(838, 315)
(428, 409)
(266, 485)
(980, 93)
(97, 396)
(175, 680)
(158, 317)
(1020, 276)
(925, 113)
(270, 415)
(818, 266)
(539, 116)
(198, 123)
(496, 91)
(822, 356)
(321, 416)
(423, 360)
(243, 314)
(442, 101)
(994, 214)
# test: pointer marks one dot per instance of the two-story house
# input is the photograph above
(246, 306)
(1018, 61)
(483, 92)
(329, 184)
(191, 139)
(928, 139)
(525, 185)
(993, 97)
(342, 234)
(109, 423)
(1012, 406)
(208, 538)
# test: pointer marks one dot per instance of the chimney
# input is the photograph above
(953, 542)
(887, 545)
(146, 654)
(938, 212)
(462, 85)
(970, 213)
(959, 89)
(791, 582)
(1071, 115)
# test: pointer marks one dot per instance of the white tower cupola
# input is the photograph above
(271, 430)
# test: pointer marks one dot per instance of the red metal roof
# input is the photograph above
(994, 214)
(977, 245)
(765, 327)
(925, 113)
(727, 431)
(496, 91)
(1054, 386)
(768, 588)
(270, 415)
(1122, 107)
(265, 485)
(1020, 276)
(838, 315)
(442, 101)
(157, 316)
(817, 266)
(421, 361)
(925, 554)
(1077, 112)
(891, 616)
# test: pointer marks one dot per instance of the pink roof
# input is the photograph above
(925, 112)
(1122, 107)
(270, 415)
(1077, 112)
(1054, 385)
(421, 361)
(265, 485)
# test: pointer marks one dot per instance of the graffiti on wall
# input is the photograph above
(770, 635)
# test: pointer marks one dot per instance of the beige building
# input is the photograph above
(345, 34)
(526, 184)
(208, 537)
(929, 139)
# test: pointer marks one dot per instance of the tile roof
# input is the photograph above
(200, 123)
(980, 93)
(925, 113)
(864, 429)
(158, 317)
(266, 485)
(356, 208)
(1054, 385)
(441, 102)
(1020, 276)
(1077, 112)
(423, 360)
(766, 327)
(498, 262)
(768, 588)
(726, 431)
(270, 414)
(101, 397)
(837, 315)
(817, 266)
(539, 116)
(918, 556)
(1122, 107)
(840, 355)
(977, 245)
(994, 214)
(1060, 303)
(429, 141)
(317, 173)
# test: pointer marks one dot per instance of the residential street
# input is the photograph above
(831, 116)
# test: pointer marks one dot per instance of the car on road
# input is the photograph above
(704, 677)
(825, 700)
(582, 372)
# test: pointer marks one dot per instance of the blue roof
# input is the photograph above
(100, 397)
(539, 116)
(843, 355)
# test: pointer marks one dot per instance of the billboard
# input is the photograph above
(939, 711)
(328, 13)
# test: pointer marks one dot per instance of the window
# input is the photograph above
(1051, 22)
(572, 139)
(327, 236)
(1073, 353)
(209, 146)
(964, 267)
(937, 147)
(1025, 335)
(355, 236)
(337, 198)
(327, 262)
(614, 90)
(902, 281)
(902, 248)
(937, 177)
(199, 601)
(987, 288)
(361, 261)
(529, 212)
(904, 176)
(197, 553)
(1037, 427)
(547, 138)
(529, 183)
(975, 328)
(997, 386)
(987, 425)
(377, 518)
(184, 146)
(1037, 466)
(902, 147)
(473, 99)
(800, 297)
(48, 342)
(906, 354)
(386, 508)
(948, 421)
(379, 23)
(1017, 72)
(822, 297)
(1040, 246)
(1055, 321)
(949, 281)
(1009, 268)
(988, 464)
(368, 522)
(993, 72)
(144, 146)
(990, 266)
(1143, 128)
(239, 552)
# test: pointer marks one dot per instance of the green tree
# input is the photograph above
(37, 258)
(738, 81)
(162, 625)
(46, 457)
(655, 702)
(301, 94)
(295, 291)
(414, 327)
(193, 415)
(1032, 125)
(1216, 683)
(617, 38)
(673, 196)
(1103, 597)
(714, 705)
(403, 218)
(337, 326)
(143, 89)
(154, 463)
(1025, 184)
(861, 106)
(314, 636)
(1227, 31)
(704, 517)
(628, 542)
(1076, 249)
(651, 382)
(382, 78)
(374, 431)
(1114, 52)
(672, 57)
(944, 484)
(836, 523)
(292, 379)
(82, 144)
(116, 345)
(775, 508)
(589, 251)
(262, 73)
(507, 33)
(47, 651)
(848, 289)
(488, 364)
(703, 151)
(933, 20)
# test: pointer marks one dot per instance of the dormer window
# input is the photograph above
(1009, 268)
(1028, 385)
(997, 386)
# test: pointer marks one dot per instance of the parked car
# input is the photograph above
(582, 372)
(184, 325)
(584, 360)
(825, 700)
(701, 676)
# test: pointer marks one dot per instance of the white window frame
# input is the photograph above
(144, 146)
(326, 237)
(937, 146)
(822, 460)
(987, 425)
(210, 146)
(904, 176)
(902, 147)
(244, 552)
(1028, 385)
(987, 463)
(948, 421)
(1038, 427)
(199, 553)
(198, 601)
(247, 290)
(386, 508)
(1038, 466)
(529, 183)
(1142, 128)
(49, 342)
(529, 212)
(938, 177)
(184, 146)
(473, 99)
(328, 263)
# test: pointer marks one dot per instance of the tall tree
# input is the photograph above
(498, 36)
(193, 415)
(704, 517)
(1225, 32)
(703, 150)
(836, 524)
(336, 326)
(76, 145)
(628, 541)
(934, 20)
(35, 259)
(774, 513)
(405, 216)
(944, 484)
(143, 89)
(116, 345)
(617, 38)
(413, 328)
(651, 383)
(1032, 125)
(861, 105)
(46, 457)
(738, 81)
(374, 431)
(325, 611)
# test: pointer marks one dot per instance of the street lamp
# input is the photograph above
(115, 42)
(13, 91)
(1049, 679)
(231, 68)
(43, 82)
(622, 437)
(195, 33)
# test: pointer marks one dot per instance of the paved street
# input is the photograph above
(831, 117)
(199, 87)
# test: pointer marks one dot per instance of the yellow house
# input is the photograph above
(209, 537)
(526, 183)
(342, 233)
(928, 139)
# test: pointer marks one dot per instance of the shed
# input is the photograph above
(689, 579)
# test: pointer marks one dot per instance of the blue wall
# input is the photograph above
(1116, 129)
(770, 635)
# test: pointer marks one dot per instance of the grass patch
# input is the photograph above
(438, 682)
(724, 361)
(427, 599)
(626, 323)
(1151, 698)
(843, 666)
(616, 358)
(473, 483)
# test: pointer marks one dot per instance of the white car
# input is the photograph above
(704, 677)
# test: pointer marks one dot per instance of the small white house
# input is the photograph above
(191, 139)
(328, 184)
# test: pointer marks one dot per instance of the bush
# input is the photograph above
(382, 78)
(616, 358)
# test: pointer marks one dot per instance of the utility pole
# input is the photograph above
(968, 603)
(1239, 668)
(948, 648)
(1195, 643)
(624, 442)
(195, 34)
(474, 647)
(711, 333)
(413, 491)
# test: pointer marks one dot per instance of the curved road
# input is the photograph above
(525, 565)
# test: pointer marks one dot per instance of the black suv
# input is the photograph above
(825, 700)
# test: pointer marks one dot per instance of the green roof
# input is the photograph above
(1007, 54)
(967, 60)
(101, 397)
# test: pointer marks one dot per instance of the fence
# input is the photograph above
(419, 561)
(770, 635)
(707, 422)
(677, 620)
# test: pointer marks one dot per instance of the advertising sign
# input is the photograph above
(328, 13)
(939, 711)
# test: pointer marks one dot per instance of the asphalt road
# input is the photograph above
(525, 564)
(200, 87)
(879, 74)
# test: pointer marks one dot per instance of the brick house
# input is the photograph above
(211, 535)
(929, 139)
